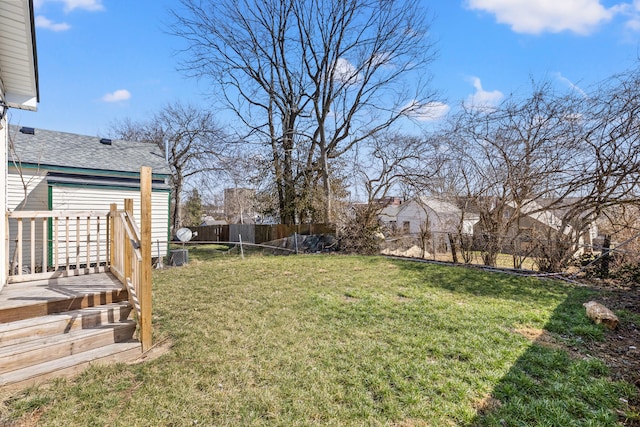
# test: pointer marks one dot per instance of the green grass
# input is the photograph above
(332, 340)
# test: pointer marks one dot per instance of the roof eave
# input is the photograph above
(20, 85)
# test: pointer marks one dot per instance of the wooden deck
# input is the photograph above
(57, 327)
(42, 297)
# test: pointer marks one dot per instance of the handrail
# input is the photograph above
(56, 214)
(127, 265)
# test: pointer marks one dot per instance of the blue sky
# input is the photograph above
(106, 60)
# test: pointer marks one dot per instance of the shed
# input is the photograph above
(50, 170)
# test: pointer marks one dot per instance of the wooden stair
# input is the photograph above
(64, 330)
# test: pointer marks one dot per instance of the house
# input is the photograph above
(54, 171)
(18, 86)
(388, 217)
(585, 221)
(433, 215)
(209, 220)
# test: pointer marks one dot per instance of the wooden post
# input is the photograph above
(45, 245)
(145, 296)
(128, 250)
(32, 227)
(111, 249)
(128, 206)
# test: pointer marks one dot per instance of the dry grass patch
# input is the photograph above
(540, 337)
(487, 404)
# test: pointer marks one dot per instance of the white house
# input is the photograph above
(434, 215)
(388, 216)
(55, 171)
(18, 88)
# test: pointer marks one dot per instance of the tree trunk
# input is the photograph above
(177, 207)
(454, 251)
(327, 189)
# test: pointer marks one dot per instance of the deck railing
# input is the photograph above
(48, 244)
(45, 244)
(51, 244)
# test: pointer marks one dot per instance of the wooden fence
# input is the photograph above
(257, 233)
(211, 233)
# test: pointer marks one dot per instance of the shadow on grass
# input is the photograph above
(479, 283)
(550, 383)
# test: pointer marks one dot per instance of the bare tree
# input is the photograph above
(561, 158)
(194, 143)
(309, 79)
(506, 159)
(391, 162)
(602, 172)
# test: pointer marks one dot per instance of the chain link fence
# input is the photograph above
(549, 254)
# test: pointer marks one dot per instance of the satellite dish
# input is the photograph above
(184, 234)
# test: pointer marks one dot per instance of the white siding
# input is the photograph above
(78, 199)
(417, 215)
(19, 87)
(4, 261)
(34, 199)
(99, 199)
(36, 195)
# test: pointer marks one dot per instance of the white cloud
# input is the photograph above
(71, 5)
(345, 72)
(632, 13)
(117, 96)
(68, 6)
(42, 22)
(535, 17)
(431, 111)
(482, 98)
(382, 59)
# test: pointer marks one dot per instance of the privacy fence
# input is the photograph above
(257, 233)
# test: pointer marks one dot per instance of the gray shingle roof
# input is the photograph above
(52, 148)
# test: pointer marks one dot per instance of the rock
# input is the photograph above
(601, 314)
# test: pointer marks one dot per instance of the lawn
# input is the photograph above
(335, 340)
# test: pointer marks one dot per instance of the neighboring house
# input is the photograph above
(433, 215)
(585, 222)
(57, 171)
(18, 88)
(538, 222)
(535, 219)
(388, 216)
(209, 220)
